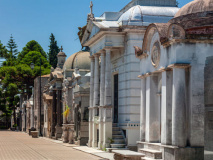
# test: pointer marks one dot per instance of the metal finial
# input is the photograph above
(61, 49)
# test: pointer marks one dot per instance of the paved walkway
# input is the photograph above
(20, 146)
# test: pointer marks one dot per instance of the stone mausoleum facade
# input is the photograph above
(76, 96)
(176, 62)
(114, 112)
(68, 91)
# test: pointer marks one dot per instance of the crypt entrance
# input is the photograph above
(115, 111)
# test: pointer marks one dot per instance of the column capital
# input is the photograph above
(96, 55)
(92, 57)
(102, 51)
(179, 65)
(108, 50)
(145, 75)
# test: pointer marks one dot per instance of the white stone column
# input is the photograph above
(107, 111)
(143, 110)
(166, 108)
(102, 84)
(96, 82)
(100, 143)
(91, 101)
(90, 127)
(108, 94)
(96, 99)
(179, 108)
(102, 97)
(92, 68)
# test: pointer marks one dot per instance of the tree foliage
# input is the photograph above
(31, 46)
(12, 48)
(16, 75)
(3, 50)
(53, 51)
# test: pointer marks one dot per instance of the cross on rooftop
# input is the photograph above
(61, 49)
(91, 6)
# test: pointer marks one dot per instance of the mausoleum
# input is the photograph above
(114, 119)
(176, 85)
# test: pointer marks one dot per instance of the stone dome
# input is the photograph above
(78, 60)
(143, 13)
(195, 6)
(61, 54)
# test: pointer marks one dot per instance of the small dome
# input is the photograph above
(138, 13)
(195, 6)
(78, 60)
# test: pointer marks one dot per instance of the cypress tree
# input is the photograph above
(53, 51)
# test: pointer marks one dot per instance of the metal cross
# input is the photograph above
(91, 6)
(61, 49)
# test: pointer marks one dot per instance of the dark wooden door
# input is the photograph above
(116, 98)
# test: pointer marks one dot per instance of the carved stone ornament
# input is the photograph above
(155, 54)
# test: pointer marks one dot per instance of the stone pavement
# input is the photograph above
(96, 152)
(20, 146)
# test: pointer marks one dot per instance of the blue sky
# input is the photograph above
(37, 19)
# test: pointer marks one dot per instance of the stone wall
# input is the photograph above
(209, 104)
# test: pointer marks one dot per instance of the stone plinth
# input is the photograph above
(68, 136)
(126, 154)
(34, 134)
(169, 152)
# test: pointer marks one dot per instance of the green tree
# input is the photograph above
(17, 77)
(36, 58)
(31, 46)
(53, 51)
(12, 48)
(3, 50)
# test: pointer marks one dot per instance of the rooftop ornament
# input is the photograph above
(61, 49)
(91, 15)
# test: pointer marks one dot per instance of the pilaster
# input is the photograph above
(166, 108)
(179, 107)
(108, 94)
(143, 110)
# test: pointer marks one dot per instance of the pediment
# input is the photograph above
(91, 30)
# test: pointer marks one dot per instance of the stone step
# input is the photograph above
(118, 141)
(114, 125)
(153, 146)
(146, 158)
(150, 153)
(117, 136)
(116, 133)
(117, 145)
(115, 128)
(110, 149)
